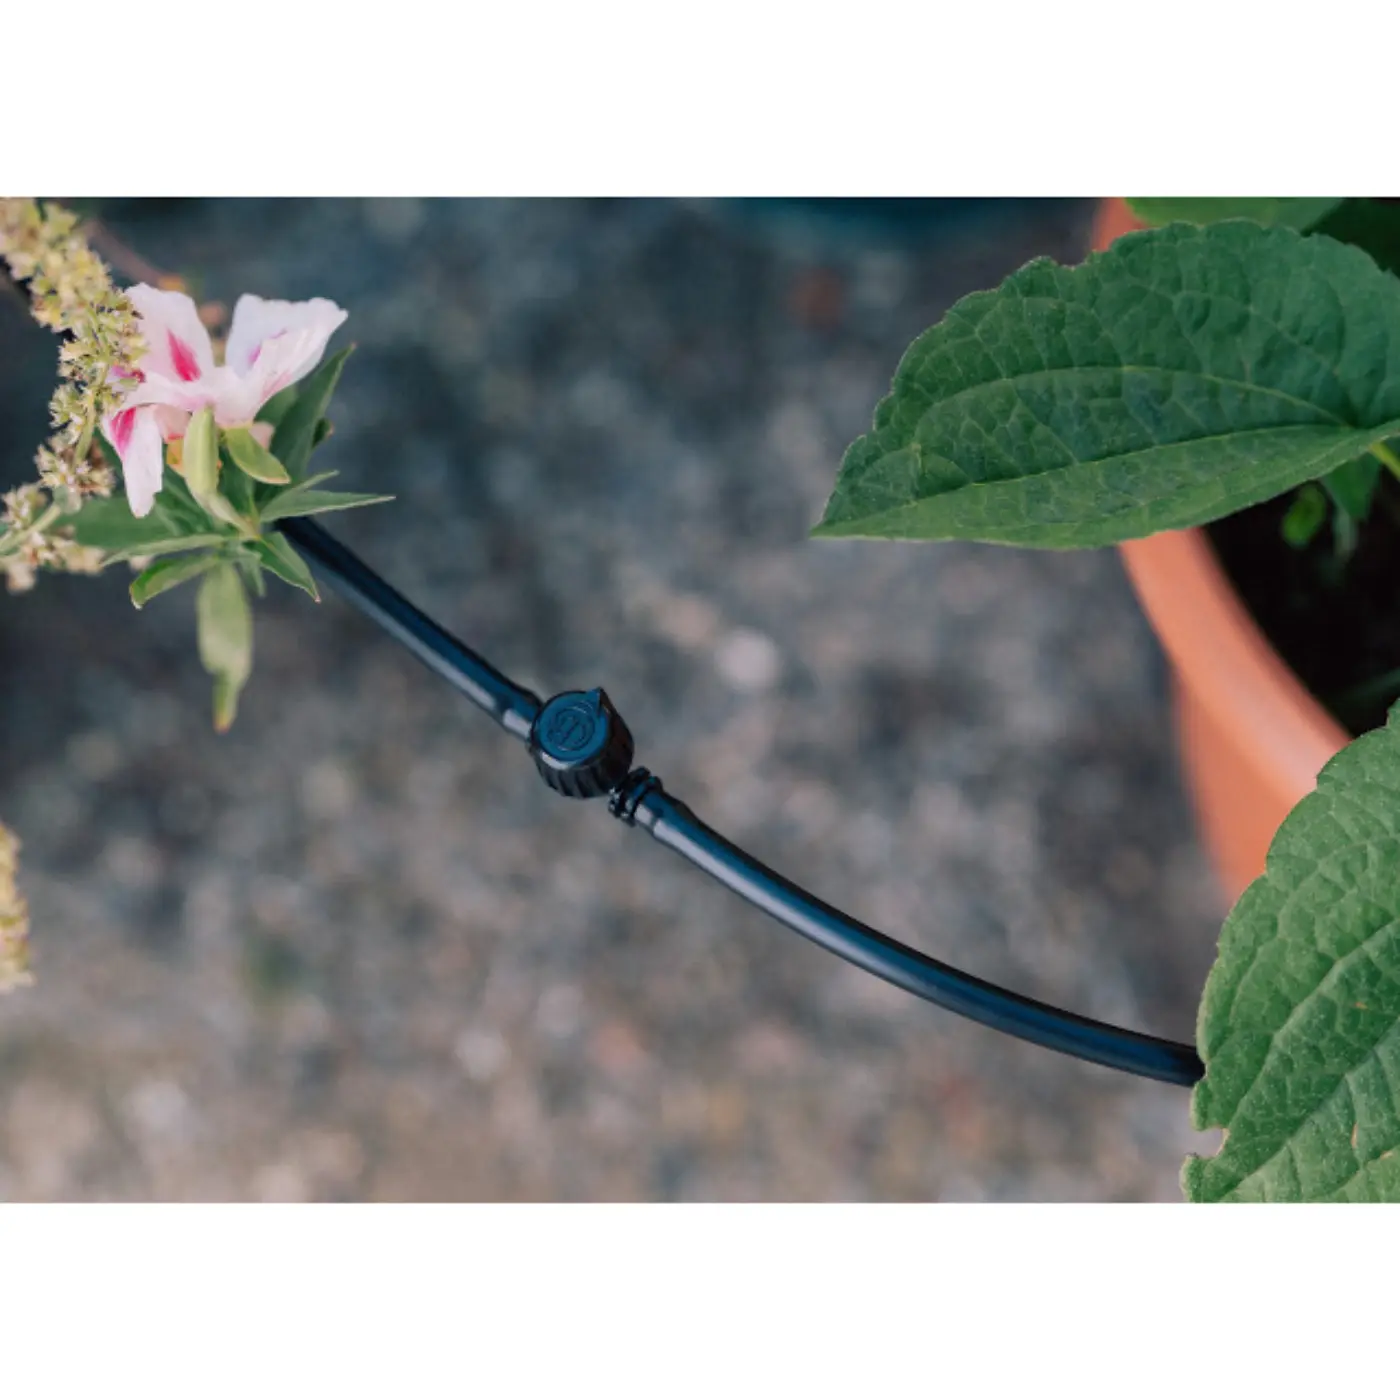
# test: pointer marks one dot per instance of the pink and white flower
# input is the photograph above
(271, 344)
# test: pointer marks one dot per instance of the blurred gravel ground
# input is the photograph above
(356, 950)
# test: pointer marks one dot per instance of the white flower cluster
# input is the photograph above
(71, 292)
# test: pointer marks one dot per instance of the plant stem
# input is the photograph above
(1383, 454)
(80, 453)
(10, 541)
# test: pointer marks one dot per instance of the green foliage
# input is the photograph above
(1306, 516)
(1293, 213)
(253, 458)
(300, 500)
(202, 468)
(1353, 487)
(109, 525)
(275, 554)
(225, 623)
(1182, 375)
(211, 522)
(166, 574)
(1300, 1023)
(275, 409)
(1352, 492)
(295, 437)
(1371, 224)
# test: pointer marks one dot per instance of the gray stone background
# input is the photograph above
(354, 950)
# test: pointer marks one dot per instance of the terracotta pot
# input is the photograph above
(1252, 737)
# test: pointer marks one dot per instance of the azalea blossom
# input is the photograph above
(271, 344)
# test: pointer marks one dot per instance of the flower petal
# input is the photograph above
(135, 433)
(189, 398)
(170, 421)
(177, 345)
(272, 344)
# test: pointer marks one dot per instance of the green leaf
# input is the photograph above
(250, 565)
(1353, 487)
(200, 456)
(275, 409)
(1299, 1026)
(302, 501)
(296, 431)
(167, 574)
(1371, 224)
(277, 556)
(251, 456)
(1176, 378)
(1293, 213)
(179, 545)
(236, 487)
(108, 524)
(1306, 516)
(225, 638)
(175, 500)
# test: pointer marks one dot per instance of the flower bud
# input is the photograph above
(200, 461)
(200, 456)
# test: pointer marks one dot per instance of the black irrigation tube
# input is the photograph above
(582, 748)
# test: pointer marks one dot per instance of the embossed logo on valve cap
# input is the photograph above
(581, 746)
(572, 725)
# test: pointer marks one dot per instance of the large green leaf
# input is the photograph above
(1300, 1023)
(1178, 377)
(1295, 213)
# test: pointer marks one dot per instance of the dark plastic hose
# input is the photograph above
(588, 753)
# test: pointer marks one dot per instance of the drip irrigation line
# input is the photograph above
(582, 748)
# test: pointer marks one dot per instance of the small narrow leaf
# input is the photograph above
(167, 574)
(1306, 516)
(1353, 486)
(1299, 1026)
(1292, 213)
(159, 548)
(301, 501)
(296, 431)
(225, 638)
(251, 456)
(1176, 378)
(280, 558)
